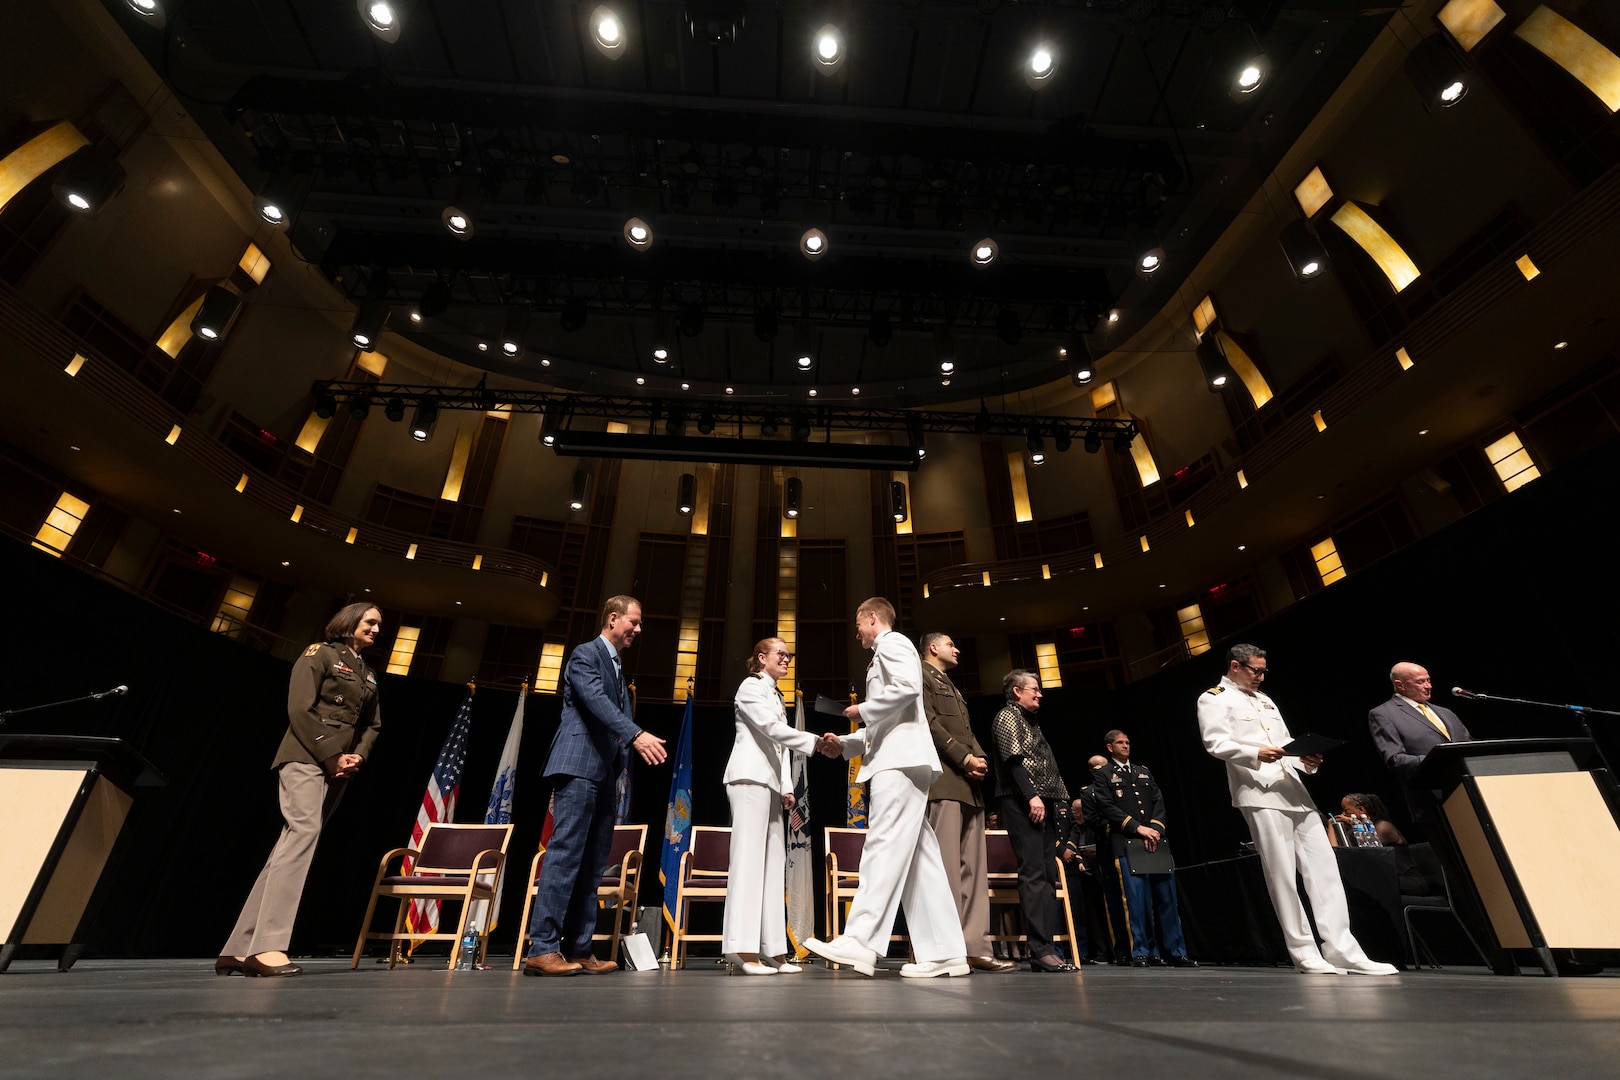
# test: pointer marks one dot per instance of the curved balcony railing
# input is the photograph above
(51, 343)
(1587, 213)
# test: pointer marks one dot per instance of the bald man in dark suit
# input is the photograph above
(1406, 727)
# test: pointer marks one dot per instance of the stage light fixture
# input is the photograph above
(638, 234)
(897, 501)
(394, 410)
(607, 31)
(1008, 327)
(380, 18)
(1439, 71)
(457, 221)
(813, 244)
(368, 324)
(691, 318)
(691, 160)
(515, 327)
(280, 197)
(582, 484)
(705, 424)
(1076, 353)
(150, 11)
(675, 423)
(805, 361)
(88, 181)
(214, 317)
(1041, 64)
(914, 435)
(753, 165)
(880, 329)
(1306, 255)
(550, 422)
(326, 406)
(1093, 441)
(1212, 359)
(801, 428)
(424, 420)
(768, 427)
(1251, 75)
(575, 312)
(660, 355)
(829, 49)
(1036, 445)
(435, 300)
(947, 366)
(360, 407)
(985, 252)
(792, 495)
(1122, 441)
(1061, 439)
(1149, 260)
(686, 493)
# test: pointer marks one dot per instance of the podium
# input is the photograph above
(63, 799)
(1536, 825)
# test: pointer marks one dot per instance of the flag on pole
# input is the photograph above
(500, 809)
(801, 905)
(621, 786)
(439, 805)
(855, 804)
(678, 818)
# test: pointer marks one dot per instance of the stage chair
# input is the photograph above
(1437, 902)
(705, 868)
(448, 867)
(842, 849)
(1001, 870)
(621, 883)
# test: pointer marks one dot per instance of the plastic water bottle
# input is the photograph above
(469, 950)
(1367, 831)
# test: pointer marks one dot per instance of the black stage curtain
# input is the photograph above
(1516, 599)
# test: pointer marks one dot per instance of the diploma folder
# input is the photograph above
(1311, 743)
(1143, 861)
(830, 706)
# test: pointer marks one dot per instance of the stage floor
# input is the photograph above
(133, 1020)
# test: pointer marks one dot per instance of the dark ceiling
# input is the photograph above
(925, 139)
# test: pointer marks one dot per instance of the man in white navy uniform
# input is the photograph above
(900, 864)
(1243, 728)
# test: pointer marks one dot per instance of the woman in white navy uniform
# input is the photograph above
(758, 783)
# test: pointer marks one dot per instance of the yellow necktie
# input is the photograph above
(1440, 725)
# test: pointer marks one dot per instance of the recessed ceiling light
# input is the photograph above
(686, 386)
(1562, 345)
(416, 316)
(286, 562)
(947, 366)
(1161, 586)
(812, 391)
(458, 603)
(855, 390)
(944, 382)
(73, 448)
(1243, 547)
(545, 362)
(483, 346)
(640, 381)
(1004, 618)
(1424, 431)
(729, 390)
(660, 355)
(1113, 316)
(177, 509)
(368, 589)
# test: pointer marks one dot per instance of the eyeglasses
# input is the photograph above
(1258, 672)
(784, 655)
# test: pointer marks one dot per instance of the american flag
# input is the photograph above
(801, 918)
(439, 804)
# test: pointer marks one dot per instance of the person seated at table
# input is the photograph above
(1373, 808)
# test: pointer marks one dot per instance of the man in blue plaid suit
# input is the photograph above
(586, 756)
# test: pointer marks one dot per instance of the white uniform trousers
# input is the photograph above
(1290, 840)
(900, 865)
(756, 908)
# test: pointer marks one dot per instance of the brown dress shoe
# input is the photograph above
(990, 963)
(593, 966)
(256, 967)
(227, 965)
(552, 963)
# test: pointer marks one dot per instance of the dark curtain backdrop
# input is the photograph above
(1518, 599)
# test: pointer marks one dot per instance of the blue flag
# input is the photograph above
(678, 819)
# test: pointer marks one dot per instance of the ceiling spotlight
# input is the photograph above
(1149, 261)
(675, 422)
(1036, 445)
(686, 493)
(149, 10)
(660, 355)
(214, 317)
(637, 233)
(984, 252)
(607, 31)
(1250, 75)
(515, 328)
(801, 428)
(550, 421)
(1093, 441)
(1439, 71)
(897, 501)
(705, 423)
(369, 321)
(394, 410)
(1076, 352)
(1040, 65)
(805, 361)
(813, 244)
(767, 427)
(326, 406)
(280, 197)
(380, 18)
(813, 391)
(582, 483)
(574, 314)
(1305, 253)
(792, 491)
(1061, 439)
(88, 181)
(947, 366)
(1212, 359)
(855, 390)
(1122, 440)
(458, 222)
(360, 407)
(1113, 316)
(435, 299)
(829, 49)
(427, 415)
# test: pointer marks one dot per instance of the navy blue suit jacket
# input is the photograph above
(596, 725)
(1404, 738)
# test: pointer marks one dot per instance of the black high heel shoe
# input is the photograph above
(1059, 965)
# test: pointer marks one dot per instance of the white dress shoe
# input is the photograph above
(736, 965)
(1315, 966)
(1371, 967)
(841, 950)
(783, 966)
(929, 969)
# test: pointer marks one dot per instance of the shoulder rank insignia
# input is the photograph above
(1216, 690)
(313, 649)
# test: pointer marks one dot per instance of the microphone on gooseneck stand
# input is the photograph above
(1457, 691)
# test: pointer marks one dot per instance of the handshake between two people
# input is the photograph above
(831, 745)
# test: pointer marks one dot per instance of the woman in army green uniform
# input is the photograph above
(332, 722)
